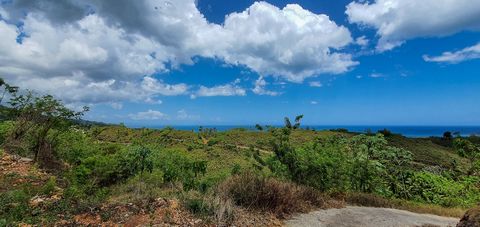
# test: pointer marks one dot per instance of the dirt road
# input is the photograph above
(368, 216)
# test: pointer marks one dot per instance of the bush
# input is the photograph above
(177, 166)
(436, 189)
(5, 129)
(74, 145)
(268, 194)
(49, 187)
(14, 205)
(385, 132)
(141, 188)
(465, 148)
(222, 210)
(320, 165)
(236, 169)
(369, 200)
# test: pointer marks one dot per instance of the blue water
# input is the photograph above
(409, 131)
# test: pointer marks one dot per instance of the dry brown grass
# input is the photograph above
(271, 195)
(370, 200)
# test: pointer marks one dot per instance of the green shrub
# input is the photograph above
(14, 206)
(437, 189)
(213, 207)
(196, 204)
(465, 148)
(3, 222)
(74, 145)
(49, 187)
(141, 188)
(5, 129)
(177, 166)
(236, 169)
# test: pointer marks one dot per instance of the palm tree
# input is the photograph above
(288, 124)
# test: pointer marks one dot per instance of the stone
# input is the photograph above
(471, 218)
(27, 160)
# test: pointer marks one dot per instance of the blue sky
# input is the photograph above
(419, 69)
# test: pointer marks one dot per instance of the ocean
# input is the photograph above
(408, 131)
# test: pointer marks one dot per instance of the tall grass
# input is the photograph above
(371, 200)
(271, 195)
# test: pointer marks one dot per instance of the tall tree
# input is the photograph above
(38, 122)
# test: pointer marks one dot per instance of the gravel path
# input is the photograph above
(368, 216)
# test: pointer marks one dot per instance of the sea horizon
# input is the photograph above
(415, 131)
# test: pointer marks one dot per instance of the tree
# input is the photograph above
(38, 122)
(447, 135)
(288, 123)
(385, 132)
(206, 134)
(467, 149)
(280, 142)
(7, 89)
(5, 113)
(259, 127)
(363, 150)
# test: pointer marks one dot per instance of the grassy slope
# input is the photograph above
(426, 152)
(232, 150)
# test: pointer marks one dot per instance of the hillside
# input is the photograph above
(114, 174)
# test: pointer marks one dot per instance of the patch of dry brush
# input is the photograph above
(271, 195)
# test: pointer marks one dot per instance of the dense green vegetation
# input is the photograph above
(281, 170)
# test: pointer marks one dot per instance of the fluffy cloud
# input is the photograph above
(148, 115)
(116, 105)
(260, 89)
(56, 11)
(183, 115)
(155, 86)
(468, 53)
(231, 89)
(83, 62)
(376, 75)
(106, 51)
(315, 84)
(292, 42)
(400, 20)
(362, 41)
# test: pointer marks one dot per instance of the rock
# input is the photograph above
(173, 204)
(161, 202)
(36, 201)
(14, 157)
(471, 218)
(27, 160)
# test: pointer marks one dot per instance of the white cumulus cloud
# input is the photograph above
(148, 115)
(468, 53)
(292, 42)
(399, 20)
(260, 89)
(231, 89)
(184, 115)
(315, 84)
(107, 51)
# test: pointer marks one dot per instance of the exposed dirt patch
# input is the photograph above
(165, 213)
(15, 164)
(16, 171)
